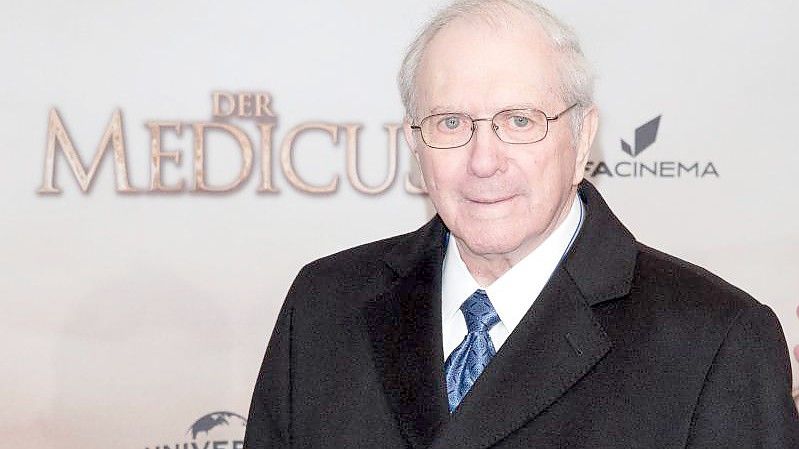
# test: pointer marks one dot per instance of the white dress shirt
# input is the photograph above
(511, 294)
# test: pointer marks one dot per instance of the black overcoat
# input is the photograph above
(625, 347)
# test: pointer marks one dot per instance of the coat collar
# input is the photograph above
(554, 345)
(602, 259)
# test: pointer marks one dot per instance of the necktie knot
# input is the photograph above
(479, 312)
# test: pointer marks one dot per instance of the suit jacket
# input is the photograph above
(626, 347)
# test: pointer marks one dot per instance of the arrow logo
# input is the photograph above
(645, 136)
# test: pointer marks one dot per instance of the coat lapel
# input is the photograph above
(555, 344)
(404, 324)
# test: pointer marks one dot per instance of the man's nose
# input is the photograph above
(487, 152)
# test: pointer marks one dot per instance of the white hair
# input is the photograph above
(576, 75)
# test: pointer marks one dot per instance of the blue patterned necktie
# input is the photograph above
(469, 359)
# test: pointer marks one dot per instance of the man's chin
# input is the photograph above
(490, 241)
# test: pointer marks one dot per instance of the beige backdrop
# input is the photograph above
(127, 317)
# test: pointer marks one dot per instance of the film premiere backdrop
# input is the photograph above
(137, 317)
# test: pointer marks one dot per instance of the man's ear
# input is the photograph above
(584, 142)
(410, 137)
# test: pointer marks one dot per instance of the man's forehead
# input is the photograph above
(488, 95)
(472, 65)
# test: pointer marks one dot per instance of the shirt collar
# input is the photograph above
(513, 293)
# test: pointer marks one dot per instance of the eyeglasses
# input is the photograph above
(515, 126)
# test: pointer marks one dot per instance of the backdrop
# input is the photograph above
(137, 317)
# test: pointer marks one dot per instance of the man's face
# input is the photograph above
(497, 198)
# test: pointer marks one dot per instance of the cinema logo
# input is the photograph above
(216, 430)
(253, 106)
(645, 136)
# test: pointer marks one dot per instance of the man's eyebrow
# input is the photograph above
(453, 109)
(444, 109)
(522, 106)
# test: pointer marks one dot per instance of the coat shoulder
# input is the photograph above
(687, 278)
(358, 261)
(673, 287)
(350, 276)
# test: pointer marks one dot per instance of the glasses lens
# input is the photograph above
(446, 130)
(521, 125)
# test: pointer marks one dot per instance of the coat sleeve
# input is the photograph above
(746, 398)
(269, 420)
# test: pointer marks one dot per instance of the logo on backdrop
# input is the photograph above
(216, 430)
(645, 136)
(253, 107)
(633, 167)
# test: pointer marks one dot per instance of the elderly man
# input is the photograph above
(524, 315)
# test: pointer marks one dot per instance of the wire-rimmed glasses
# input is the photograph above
(514, 126)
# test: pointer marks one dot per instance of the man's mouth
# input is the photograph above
(491, 200)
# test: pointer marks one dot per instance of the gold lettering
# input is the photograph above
(287, 159)
(352, 160)
(262, 101)
(245, 102)
(199, 156)
(266, 158)
(218, 105)
(156, 183)
(57, 133)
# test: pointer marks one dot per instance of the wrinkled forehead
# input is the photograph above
(479, 65)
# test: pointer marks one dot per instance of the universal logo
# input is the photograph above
(645, 136)
(216, 430)
(250, 106)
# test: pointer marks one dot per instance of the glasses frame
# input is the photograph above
(494, 126)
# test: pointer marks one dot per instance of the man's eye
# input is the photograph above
(452, 122)
(520, 121)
